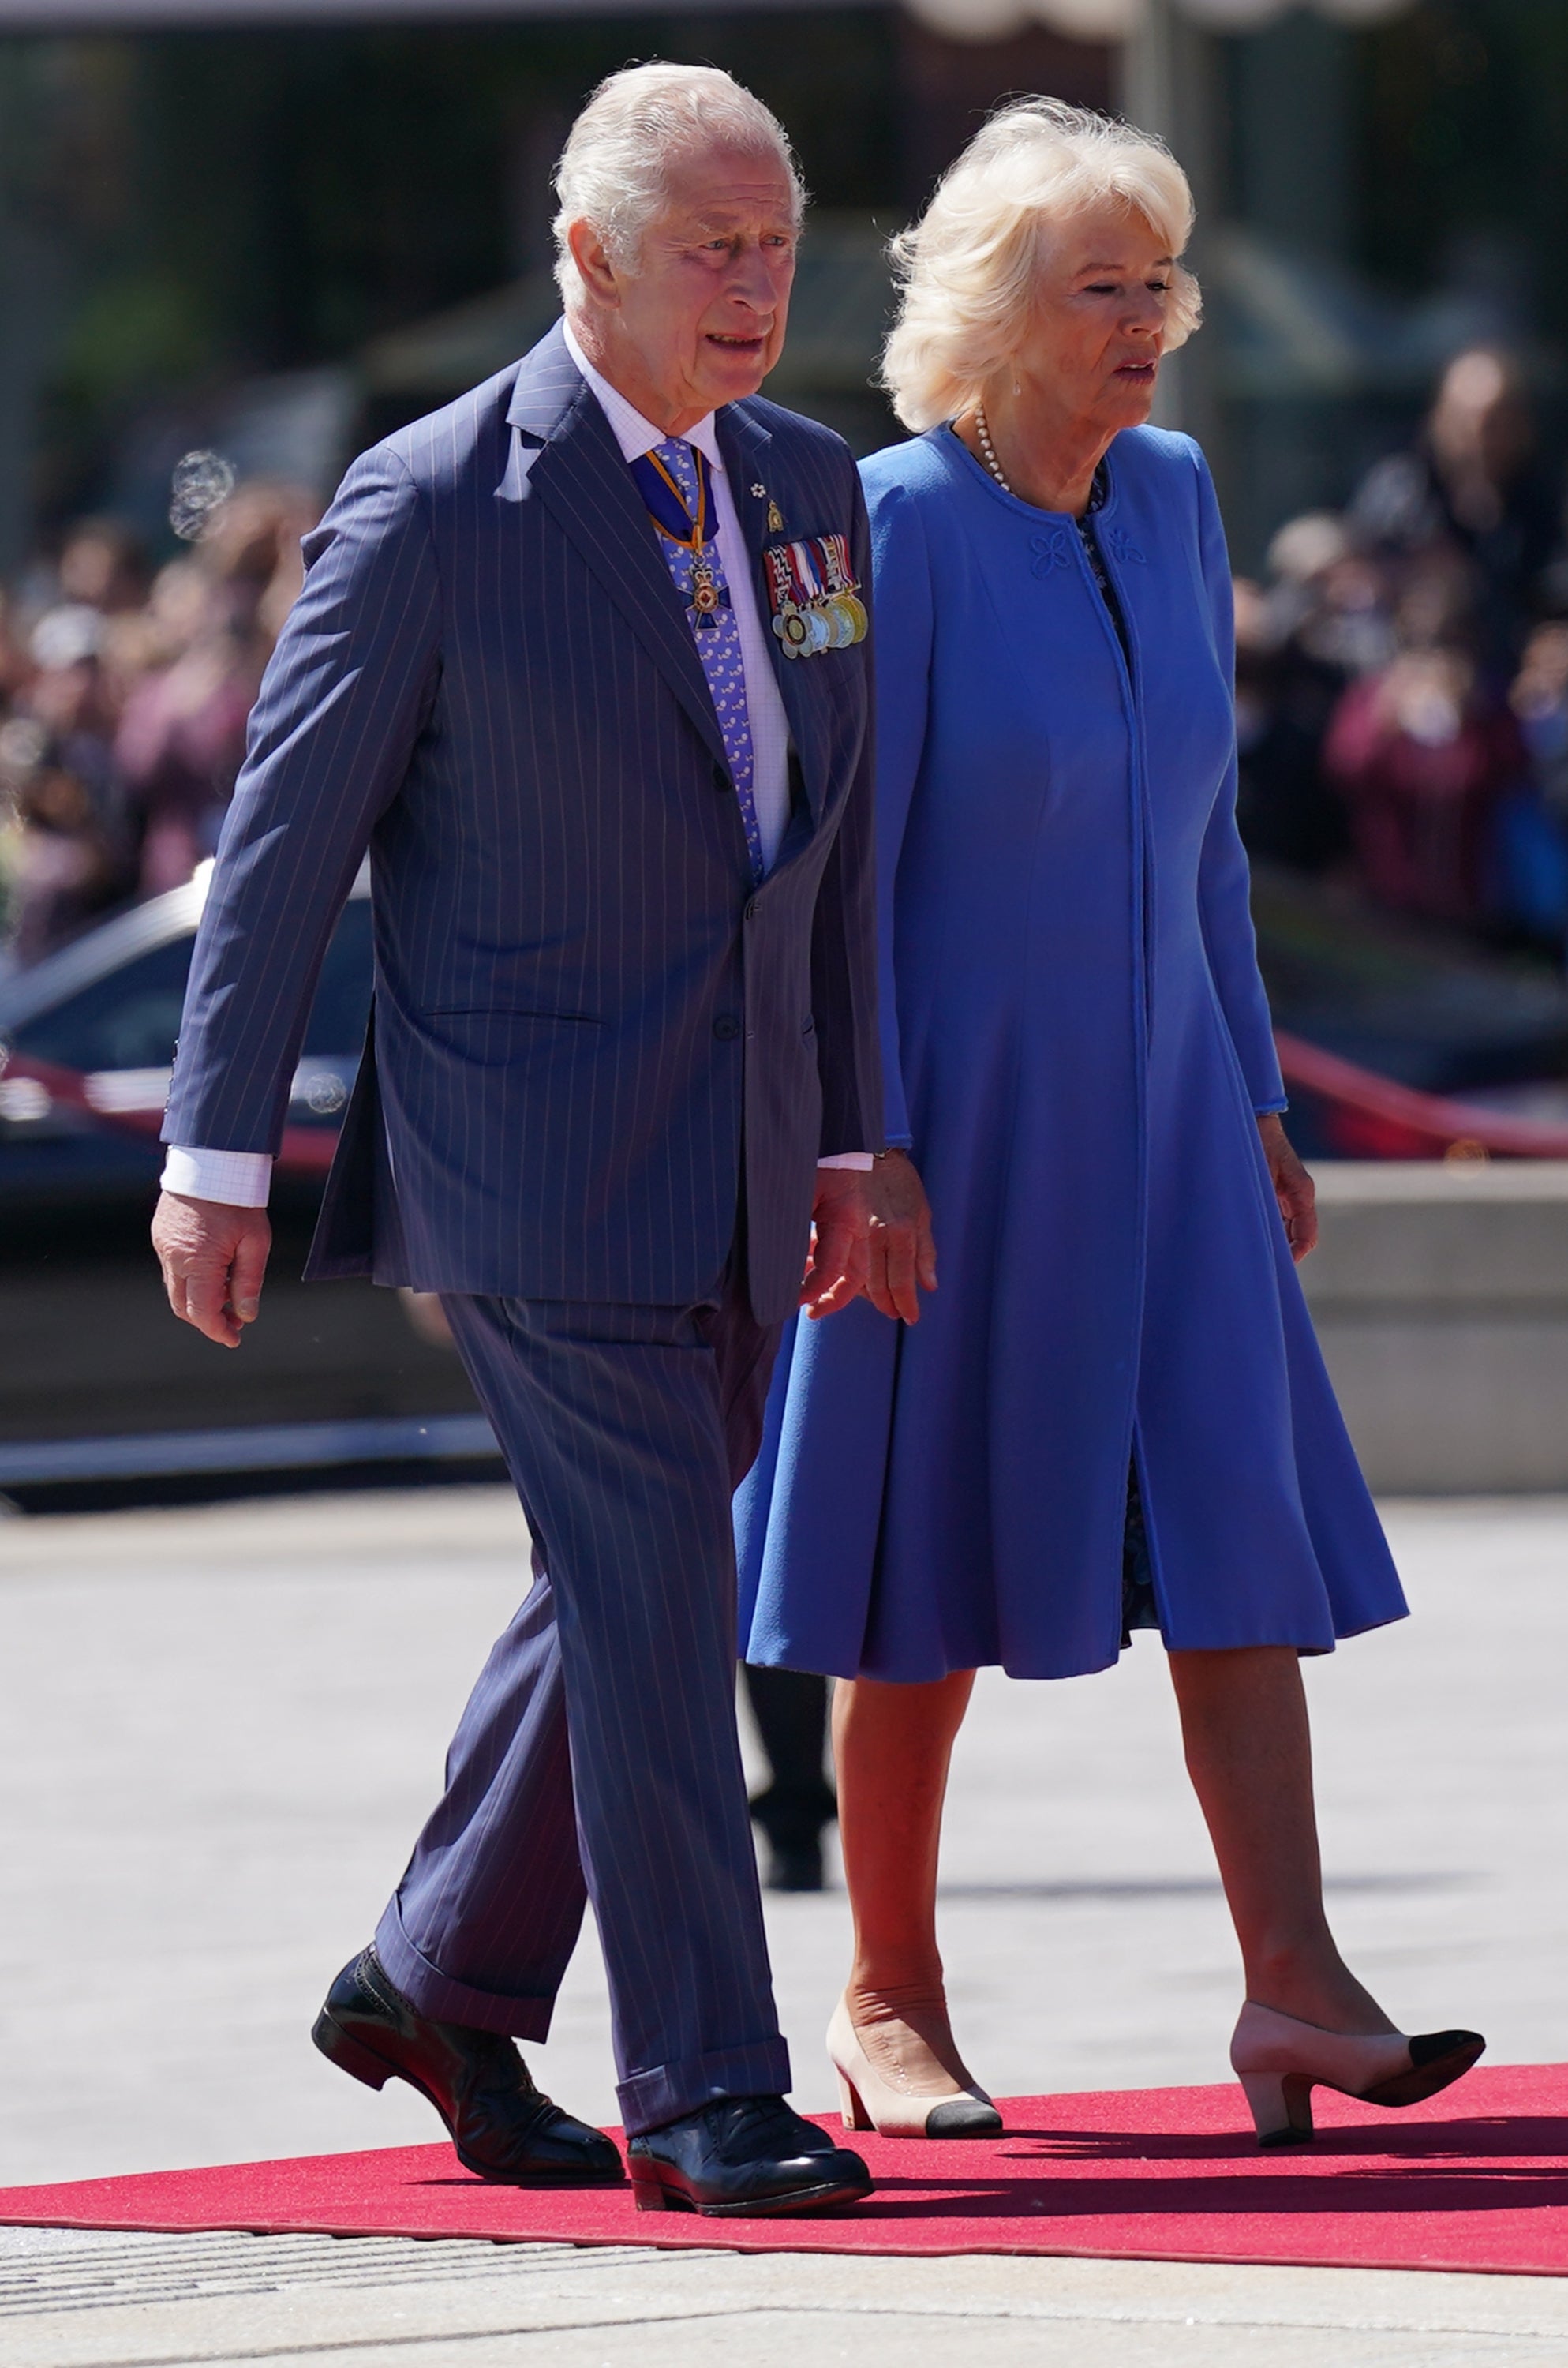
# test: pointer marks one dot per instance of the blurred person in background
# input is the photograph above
(1326, 599)
(14, 663)
(1533, 823)
(133, 699)
(1473, 485)
(103, 568)
(71, 858)
(1425, 752)
(64, 866)
(182, 733)
(1297, 642)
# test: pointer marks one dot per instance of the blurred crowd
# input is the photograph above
(124, 693)
(1401, 689)
(1403, 675)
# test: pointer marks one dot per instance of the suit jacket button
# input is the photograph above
(750, 908)
(721, 779)
(726, 1028)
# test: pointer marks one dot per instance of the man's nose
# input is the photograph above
(752, 280)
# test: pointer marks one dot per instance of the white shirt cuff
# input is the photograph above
(861, 1159)
(242, 1179)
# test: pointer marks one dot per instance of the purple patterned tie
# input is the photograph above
(716, 632)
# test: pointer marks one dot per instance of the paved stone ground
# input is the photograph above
(222, 1726)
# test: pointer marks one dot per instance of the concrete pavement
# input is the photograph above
(94, 2302)
(221, 1726)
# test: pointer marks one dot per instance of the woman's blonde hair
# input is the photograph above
(969, 268)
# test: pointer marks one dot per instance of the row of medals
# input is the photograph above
(836, 622)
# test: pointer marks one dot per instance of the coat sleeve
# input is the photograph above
(341, 704)
(844, 963)
(901, 578)
(1224, 881)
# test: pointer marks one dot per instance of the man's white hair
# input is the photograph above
(970, 266)
(613, 170)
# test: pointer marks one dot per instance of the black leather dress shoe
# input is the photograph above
(501, 2125)
(743, 2155)
(795, 1867)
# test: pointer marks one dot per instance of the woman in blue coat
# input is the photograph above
(1113, 1412)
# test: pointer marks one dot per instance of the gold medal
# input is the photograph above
(848, 618)
(858, 616)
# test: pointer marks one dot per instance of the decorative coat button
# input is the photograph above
(726, 1028)
(750, 908)
(721, 779)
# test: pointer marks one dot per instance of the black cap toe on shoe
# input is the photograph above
(1437, 2059)
(963, 2117)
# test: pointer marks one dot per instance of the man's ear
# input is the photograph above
(591, 256)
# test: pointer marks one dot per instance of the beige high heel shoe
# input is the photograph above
(870, 2102)
(1278, 2061)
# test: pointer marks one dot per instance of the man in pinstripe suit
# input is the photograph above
(623, 1053)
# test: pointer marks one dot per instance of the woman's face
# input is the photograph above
(1102, 294)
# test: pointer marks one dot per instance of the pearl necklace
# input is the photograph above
(988, 449)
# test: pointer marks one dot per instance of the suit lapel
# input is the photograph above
(586, 486)
(748, 455)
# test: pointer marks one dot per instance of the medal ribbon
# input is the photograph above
(667, 506)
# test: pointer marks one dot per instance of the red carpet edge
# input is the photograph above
(1475, 2180)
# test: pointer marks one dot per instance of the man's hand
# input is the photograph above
(873, 1235)
(1293, 1188)
(213, 1257)
(841, 1234)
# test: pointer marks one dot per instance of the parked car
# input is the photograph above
(87, 1043)
(104, 1398)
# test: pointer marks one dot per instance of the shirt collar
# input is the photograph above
(634, 434)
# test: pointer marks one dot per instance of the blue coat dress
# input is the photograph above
(1077, 1045)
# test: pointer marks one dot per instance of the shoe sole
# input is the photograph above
(362, 2062)
(1425, 2080)
(653, 2195)
(1412, 2087)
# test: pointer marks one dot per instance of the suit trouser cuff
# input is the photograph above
(442, 1999)
(649, 2099)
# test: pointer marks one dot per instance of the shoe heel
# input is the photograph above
(853, 2111)
(1281, 2106)
(649, 2194)
(348, 2053)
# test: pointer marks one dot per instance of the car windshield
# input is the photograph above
(129, 1019)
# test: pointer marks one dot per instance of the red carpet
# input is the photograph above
(1473, 2179)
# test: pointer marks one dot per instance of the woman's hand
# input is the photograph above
(903, 1251)
(1293, 1188)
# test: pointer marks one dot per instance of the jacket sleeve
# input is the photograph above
(904, 633)
(341, 707)
(1224, 881)
(844, 963)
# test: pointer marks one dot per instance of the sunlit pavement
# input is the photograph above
(223, 1726)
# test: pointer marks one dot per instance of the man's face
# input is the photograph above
(696, 318)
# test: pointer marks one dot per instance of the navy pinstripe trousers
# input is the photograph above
(597, 1755)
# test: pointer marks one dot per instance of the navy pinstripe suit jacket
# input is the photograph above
(582, 1009)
